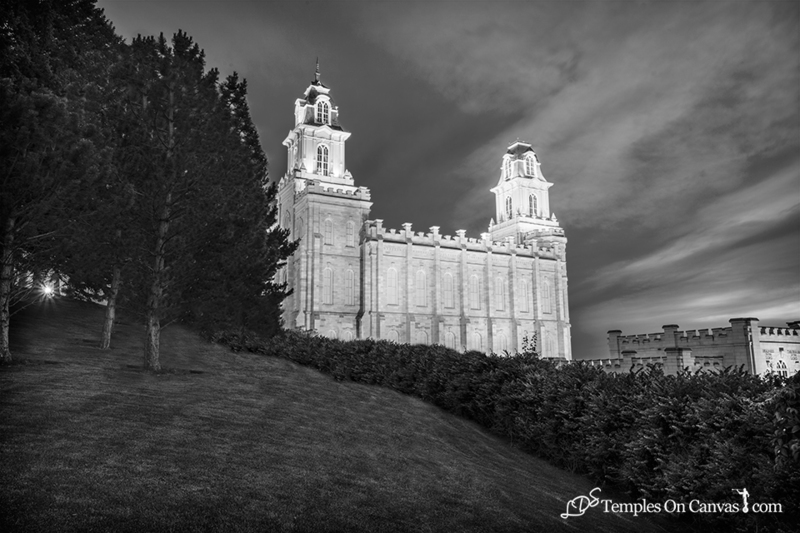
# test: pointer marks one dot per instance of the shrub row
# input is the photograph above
(685, 437)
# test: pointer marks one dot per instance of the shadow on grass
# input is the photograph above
(224, 441)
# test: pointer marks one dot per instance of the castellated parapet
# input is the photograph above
(758, 349)
(530, 247)
(352, 278)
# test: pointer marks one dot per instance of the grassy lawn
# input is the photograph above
(239, 442)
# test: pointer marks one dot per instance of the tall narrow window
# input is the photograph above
(327, 286)
(328, 232)
(322, 160)
(507, 167)
(449, 300)
(421, 287)
(530, 168)
(546, 307)
(351, 233)
(782, 370)
(391, 286)
(509, 208)
(500, 293)
(474, 292)
(523, 289)
(533, 205)
(323, 112)
(349, 288)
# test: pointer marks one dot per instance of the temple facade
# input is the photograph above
(353, 278)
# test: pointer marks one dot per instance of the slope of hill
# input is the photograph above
(238, 442)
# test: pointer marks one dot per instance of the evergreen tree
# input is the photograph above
(203, 202)
(135, 172)
(52, 51)
(241, 247)
(96, 254)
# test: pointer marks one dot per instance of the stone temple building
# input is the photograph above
(354, 279)
(759, 349)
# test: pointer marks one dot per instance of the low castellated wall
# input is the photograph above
(759, 349)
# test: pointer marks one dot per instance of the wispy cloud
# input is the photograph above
(615, 96)
(719, 227)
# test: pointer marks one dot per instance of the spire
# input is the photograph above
(316, 74)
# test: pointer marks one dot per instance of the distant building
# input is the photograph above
(355, 279)
(760, 349)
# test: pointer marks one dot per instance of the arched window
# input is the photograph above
(351, 233)
(500, 343)
(348, 335)
(474, 292)
(422, 337)
(393, 336)
(322, 160)
(507, 167)
(286, 221)
(421, 287)
(449, 300)
(450, 340)
(509, 208)
(530, 167)
(550, 345)
(477, 342)
(349, 288)
(782, 370)
(523, 289)
(328, 232)
(533, 205)
(331, 334)
(391, 286)
(323, 112)
(327, 286)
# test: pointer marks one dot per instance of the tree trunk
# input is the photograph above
(6, 274)
(111, 309)
(156, 295)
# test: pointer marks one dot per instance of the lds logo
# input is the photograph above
(579, 505)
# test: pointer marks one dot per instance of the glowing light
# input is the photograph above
(47, 290)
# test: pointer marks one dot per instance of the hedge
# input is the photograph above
(682, 437)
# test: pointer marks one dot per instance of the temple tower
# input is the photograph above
(319, 203)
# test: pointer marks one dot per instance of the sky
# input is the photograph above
(670, 130)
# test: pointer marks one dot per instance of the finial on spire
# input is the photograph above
(316, 74)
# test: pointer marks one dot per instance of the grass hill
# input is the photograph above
(226, 441)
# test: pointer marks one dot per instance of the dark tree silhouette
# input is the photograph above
(53, 52)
